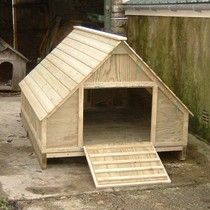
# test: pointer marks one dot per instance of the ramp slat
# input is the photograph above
(127, 165)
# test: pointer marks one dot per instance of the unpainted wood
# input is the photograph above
(106, 48)
(182, 154)
(152, 75)
(65, 154)
(83, 57)
(98, 85)
(85, 49)
(169, 128)
(80, 116)
(101, 33)
(42, 158)
(33, 101)
(94, 36)
(119, 68)
(122, 168)
(32, 118)
(62, 126)
(154, 114)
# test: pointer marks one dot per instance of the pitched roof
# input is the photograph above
(72, 62)
(4, 46)
(166, 2)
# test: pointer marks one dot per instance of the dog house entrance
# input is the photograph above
(116, 115)
(6, 69)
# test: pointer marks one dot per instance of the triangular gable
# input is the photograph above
(120, 67)
(163, 87)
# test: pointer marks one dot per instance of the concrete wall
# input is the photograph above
(178, 50)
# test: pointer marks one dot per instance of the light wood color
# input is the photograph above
(80, 117)
(53, 97)
(64, 69)
(62, 126)
(32, 119)
(169, 128)
(42, 158)
(126, 165)
(100, 33)
(98, 85)
(119, 68)
(154, 113)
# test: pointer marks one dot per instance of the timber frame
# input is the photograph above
(53, 94)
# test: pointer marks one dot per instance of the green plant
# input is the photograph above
(4, 204)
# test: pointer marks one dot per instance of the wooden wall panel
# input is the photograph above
(62, 126)
(169, 130)
(118, 68)
(34, 121)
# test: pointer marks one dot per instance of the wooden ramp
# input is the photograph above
(125, 164)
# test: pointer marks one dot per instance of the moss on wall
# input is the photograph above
(178, 50)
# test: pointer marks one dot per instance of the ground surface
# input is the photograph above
(67, 183)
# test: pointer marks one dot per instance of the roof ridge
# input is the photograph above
(102, 33)
(6, 45)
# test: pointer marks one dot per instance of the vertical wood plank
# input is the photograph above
(185, 128)
(44, 135)
(154, 114)
(80, 116)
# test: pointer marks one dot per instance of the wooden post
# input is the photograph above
(14, 23)
(154, 114)
(182, 154)
(44, 135)
(80, 117)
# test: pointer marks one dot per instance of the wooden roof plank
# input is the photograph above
(91, 62)
(43, 84)
(34, 102)
(91, 42)
(61, 90)
(74, 63)
(102, 33)
(39, 94)
(93, 52)
(60, 75)
(68, 70)
(103, 39)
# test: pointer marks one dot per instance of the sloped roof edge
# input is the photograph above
(5, 45)
(102, 33)
(160, 80)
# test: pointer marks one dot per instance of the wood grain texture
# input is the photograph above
(32, 119)
(62, 126)
(126, 165)
(169, 128)
(119, 68)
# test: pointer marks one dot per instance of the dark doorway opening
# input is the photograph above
(117, 115)
(6, 70)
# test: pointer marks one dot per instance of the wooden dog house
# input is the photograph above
(12, 67)
(94, 96)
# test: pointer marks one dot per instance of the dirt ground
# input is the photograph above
(67, 183)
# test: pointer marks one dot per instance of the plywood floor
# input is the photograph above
(110, 127)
